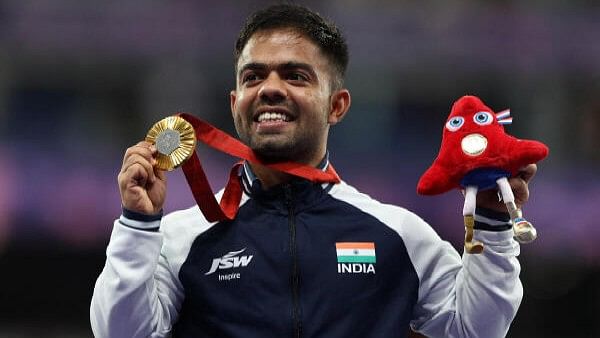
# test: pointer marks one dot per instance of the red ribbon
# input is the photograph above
(230, 201)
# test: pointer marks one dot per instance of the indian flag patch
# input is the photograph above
(355, 252)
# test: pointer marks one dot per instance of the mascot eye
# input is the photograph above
(455, 123)
(482, 118)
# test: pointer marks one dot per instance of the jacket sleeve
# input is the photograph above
(477, 296)
(136, 295)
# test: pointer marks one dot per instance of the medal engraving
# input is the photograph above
(175, 141)
(167, 141)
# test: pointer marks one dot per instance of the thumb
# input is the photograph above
(160, 174)
(527, 172)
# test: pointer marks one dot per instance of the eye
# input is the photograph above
(296, 76)
(455, 123)
(249, 77)
(482, 118)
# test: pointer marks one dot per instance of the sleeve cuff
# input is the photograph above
(139, 221)
(491, 220)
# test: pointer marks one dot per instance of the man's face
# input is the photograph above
(282, 103)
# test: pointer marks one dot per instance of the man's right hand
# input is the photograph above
(143, 188)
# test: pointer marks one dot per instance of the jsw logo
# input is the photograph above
(229, 261)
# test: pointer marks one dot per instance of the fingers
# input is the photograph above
(527, 172)
(520, 189)
(160, 174)
(139, 167)
(138, 162)
(520, 184)
(145, 149)
(142, 186)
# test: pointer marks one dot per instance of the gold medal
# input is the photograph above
(175, 141)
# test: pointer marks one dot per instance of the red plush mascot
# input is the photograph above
(476, 154)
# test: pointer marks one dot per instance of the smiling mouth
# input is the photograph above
(272, 117)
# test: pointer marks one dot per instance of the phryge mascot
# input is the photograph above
(476, 154)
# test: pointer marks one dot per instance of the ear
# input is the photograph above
(232, 100)
(339, 105)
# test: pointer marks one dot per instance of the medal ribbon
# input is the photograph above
(230, 201)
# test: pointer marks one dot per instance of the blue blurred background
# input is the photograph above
(80, 81)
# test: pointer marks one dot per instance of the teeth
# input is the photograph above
(270, 116)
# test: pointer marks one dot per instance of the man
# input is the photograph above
(299, 259)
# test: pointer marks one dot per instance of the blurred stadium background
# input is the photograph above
(80, 81)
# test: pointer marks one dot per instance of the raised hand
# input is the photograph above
(519, 185)
(142, 187)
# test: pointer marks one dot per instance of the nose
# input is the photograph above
(272, 89)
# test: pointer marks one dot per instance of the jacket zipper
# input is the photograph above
(295, 278)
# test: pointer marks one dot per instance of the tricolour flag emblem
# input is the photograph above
(355, 252)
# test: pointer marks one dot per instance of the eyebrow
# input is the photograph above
(283, 66)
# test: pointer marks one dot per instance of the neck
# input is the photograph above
(270, 177)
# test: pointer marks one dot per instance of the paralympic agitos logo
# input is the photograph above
(229, 261)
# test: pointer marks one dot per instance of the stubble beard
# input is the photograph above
(299, 148)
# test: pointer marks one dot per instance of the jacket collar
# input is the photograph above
(252, 185)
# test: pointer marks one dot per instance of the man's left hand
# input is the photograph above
(520, 186)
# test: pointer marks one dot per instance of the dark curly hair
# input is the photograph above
(309, 23)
